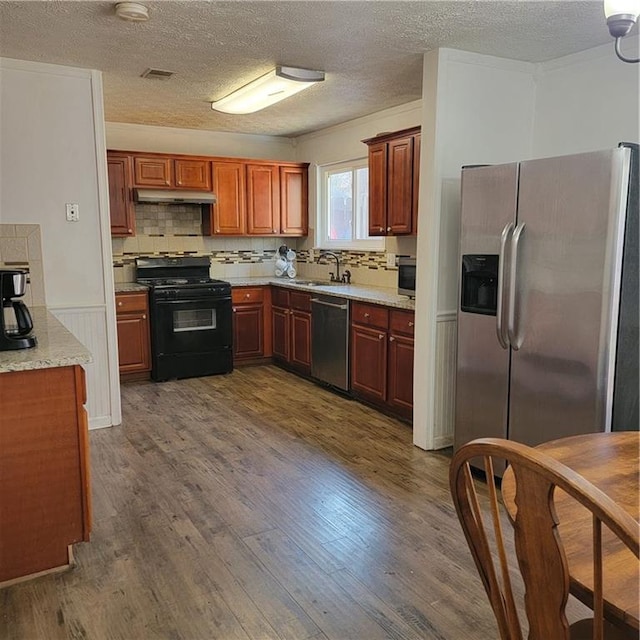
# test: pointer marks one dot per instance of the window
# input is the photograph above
(343, 215)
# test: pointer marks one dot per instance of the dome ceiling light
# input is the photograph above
(132, 11)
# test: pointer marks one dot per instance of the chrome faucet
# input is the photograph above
(333, 278)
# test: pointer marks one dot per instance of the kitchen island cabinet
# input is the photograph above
(45, 495)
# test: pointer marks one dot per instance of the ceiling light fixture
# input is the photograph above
(132, 11)
(621, 15)
(278, 84)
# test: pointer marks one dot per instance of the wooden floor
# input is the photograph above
(256, 506)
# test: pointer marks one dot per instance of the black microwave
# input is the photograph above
(407, 276)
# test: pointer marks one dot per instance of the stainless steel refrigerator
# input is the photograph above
(547, 333)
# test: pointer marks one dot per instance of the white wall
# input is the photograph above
(138, 137)
(52, 152)
(587, 101)
(477, 109)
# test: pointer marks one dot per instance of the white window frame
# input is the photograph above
(322, 222)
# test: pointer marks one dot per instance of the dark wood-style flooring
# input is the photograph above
(259, 506)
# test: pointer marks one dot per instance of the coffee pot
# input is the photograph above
(15, 320)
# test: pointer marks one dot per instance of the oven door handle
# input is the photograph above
(208, 299)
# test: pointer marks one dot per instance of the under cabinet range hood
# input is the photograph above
(164, 196)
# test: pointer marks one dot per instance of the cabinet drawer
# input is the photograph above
(128, 302)
(300, 301)
(402, 322)
(370, 315)
(242, 295)
(280, 297)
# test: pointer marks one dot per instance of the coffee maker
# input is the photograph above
(15, 320)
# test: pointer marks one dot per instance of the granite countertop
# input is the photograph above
(56, 347)
(363, 293)
(129, 287)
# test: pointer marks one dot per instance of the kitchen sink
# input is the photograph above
(318, 283)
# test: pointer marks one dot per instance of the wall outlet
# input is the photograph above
(391, 260)
(73, 212)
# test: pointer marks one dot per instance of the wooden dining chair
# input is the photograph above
(541, 559)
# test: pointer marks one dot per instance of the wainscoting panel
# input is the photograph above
(88, 325)
(445, 379)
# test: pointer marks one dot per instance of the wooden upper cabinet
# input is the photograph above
(229, 211)
(120, 203)
(263, 199)
(377, 189)
(400, 185)
(152, 172)
(394, 162)
(193, 174)
(165, 172)
(294, 212)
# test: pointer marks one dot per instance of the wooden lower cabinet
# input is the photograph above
(251, 324)
(134, 342)
(45, 495)
(382, 357)
(291, 313)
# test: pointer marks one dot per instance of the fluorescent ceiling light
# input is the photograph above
(278, 84)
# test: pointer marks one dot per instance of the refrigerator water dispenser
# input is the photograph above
(479, 284)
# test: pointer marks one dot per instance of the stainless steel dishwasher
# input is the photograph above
(330, 340)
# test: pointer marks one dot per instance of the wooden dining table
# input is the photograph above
(610, 461)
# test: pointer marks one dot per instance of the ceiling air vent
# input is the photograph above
(157, 74)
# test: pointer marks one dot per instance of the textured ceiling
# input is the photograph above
(371, 51)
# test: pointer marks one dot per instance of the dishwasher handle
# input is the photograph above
(329, 304)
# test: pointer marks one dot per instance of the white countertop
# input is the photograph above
(56, 347)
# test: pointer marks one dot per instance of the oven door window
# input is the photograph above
(194, 320)
(191, 326)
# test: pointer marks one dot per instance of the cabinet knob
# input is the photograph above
(366, 315)
(381, 229)
(144, 316)
(120, 303)
(381, 336)
(410, 324)
(234, 310)
(129, 230)
(392, 339)
(247, 295)
(388, 228)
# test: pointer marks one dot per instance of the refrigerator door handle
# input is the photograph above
(502, 267)
(515, 342)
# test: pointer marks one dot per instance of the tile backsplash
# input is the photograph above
(21, 248)
(174, 230)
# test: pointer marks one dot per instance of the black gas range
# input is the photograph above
(191, 318)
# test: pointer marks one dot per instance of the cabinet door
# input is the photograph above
(121, 207)
(248, 337)
(263, 199)
(293, 201)
(301, 340)
(400, 381)
(416, 183)
(134, 352)
(369, 363)
(229, 211)
(193, 174)
(281, 333)
(399, 186)
(152, 172)
(378, 189)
